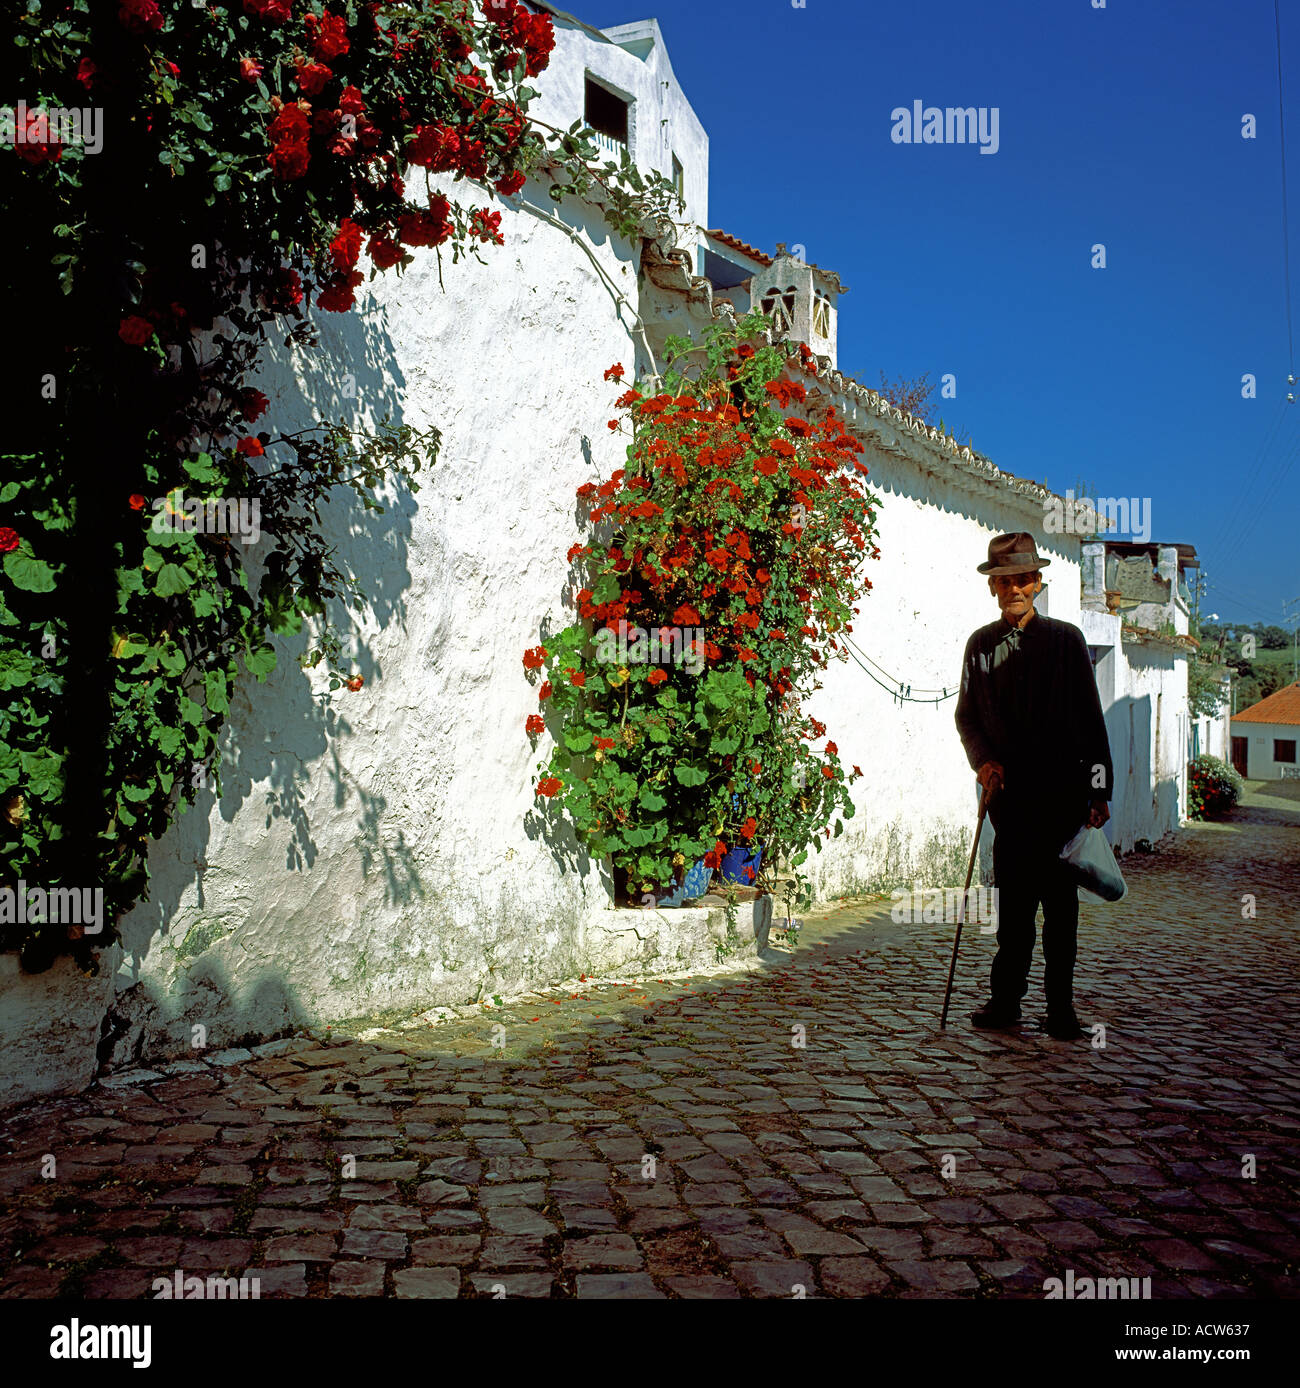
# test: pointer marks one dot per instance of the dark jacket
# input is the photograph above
(1029, 700)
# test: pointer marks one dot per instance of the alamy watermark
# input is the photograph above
(946, 125)
(83, 906)
(940, 906)
(1125, 515)
(34, 125)
(224, 515)
(667, 645)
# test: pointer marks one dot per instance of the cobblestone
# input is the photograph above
(664, 1138)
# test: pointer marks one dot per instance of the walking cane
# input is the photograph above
(961, 906)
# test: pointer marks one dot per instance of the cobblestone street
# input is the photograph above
(671, 1139)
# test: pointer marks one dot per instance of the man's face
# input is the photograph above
(1015, 593)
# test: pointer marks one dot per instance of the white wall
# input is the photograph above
(1260, 762)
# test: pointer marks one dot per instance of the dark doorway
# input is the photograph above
(1239, 754)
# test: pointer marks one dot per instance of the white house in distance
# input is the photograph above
(386, 853)
(1135, 616)
(1265, 736)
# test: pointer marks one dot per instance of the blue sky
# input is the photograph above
(1117, 126)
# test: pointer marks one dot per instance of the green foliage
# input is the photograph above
(1213, 788)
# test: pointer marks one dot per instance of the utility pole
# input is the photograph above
(1294, 619)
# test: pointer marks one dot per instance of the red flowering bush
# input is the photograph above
(721, 566)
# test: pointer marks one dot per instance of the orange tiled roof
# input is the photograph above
(737, 244)
(1282, 706)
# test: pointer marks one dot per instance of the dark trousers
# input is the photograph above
(1027, 873)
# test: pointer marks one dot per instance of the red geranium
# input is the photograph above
(9, 539)
(615, 372)
(135, 501)
(535, 724)
(549, 785)
(656, 677)
(533, 658)
(250, 447)
(252, 404)
(545, 691)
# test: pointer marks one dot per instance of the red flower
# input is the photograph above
(686, 615)
(603, 744)
(576, 677)
(545, 691)
(328, 36)
(250, 447)
(549, 785)
(713, 858)
(429, 228)
(384, 251)
(765, 465)
(312, 77)
(288, 134)
(140, 16)
(252, 404)
(656, 677)
(511, 183)
(339, 294)
(134, 330)
(352, 103)
(533, 658)
(613, 423)
(748, 827)
(9, 538)
(832, 750)
(354, 683)
(535, 724)
(274, 10)
(487, 226)
(615, 372)
(285, 292)
(250, 69)
(857, 771)
(346, 245)
(85, 71)
(135, 501)
(434, 147)
(828, 773)
(35, 147)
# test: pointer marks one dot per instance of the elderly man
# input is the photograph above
(1031, 723)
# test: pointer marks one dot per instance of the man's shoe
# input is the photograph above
(994, 1016)
(1063, 1026)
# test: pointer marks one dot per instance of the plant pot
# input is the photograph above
(684, 887)
(735, 863)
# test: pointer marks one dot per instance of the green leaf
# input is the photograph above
(259, 663)
(28, 573)
(690, 775)
(172, 579)
(650, 800)
(215, 689)
(16, 669)
(579, 741)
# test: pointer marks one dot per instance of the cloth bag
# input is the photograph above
(1092, 864)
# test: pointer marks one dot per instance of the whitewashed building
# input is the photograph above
(1268, 734)
(384, 853)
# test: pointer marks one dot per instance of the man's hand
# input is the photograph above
(991, 776)
(1098, 814)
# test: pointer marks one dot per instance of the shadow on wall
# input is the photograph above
(276, 731)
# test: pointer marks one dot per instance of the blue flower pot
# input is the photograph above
(736, 861)
(694, 884)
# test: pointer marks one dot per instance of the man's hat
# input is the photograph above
(1013, 554)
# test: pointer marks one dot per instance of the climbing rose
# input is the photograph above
(250, 69)
(511, 183)
(8, 539)
(36, 148)
(384, 251)
(134, 330)
(85, 71)
(312, 77)
(140, 16)
(328, 36)
(352, 103)
(429, 228)
(549, 785)
(535, 724)
(434, 146)
(288, 134)
(339, 294)
(346, 245)
(276, 10)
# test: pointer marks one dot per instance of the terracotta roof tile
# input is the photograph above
(1282, 706)
(737, 244)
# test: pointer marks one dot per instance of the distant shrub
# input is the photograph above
(1213, 787)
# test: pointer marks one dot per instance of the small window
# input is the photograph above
(1284, 750)
(605, 112)
(821, 315)
(679, 178)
